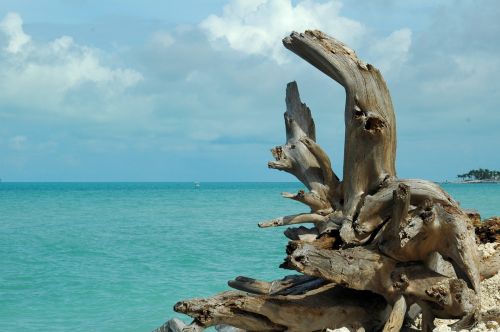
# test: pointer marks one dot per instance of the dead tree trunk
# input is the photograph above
(370, 134)
(368, 256)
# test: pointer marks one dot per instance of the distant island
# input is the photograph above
(480, 175)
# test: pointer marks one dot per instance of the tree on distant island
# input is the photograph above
(480, 175)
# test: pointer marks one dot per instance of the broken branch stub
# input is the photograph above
(302, 157)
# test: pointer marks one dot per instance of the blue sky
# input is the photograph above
(194, 90)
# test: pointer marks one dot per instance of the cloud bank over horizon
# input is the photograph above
(48, 73)
(203, 100)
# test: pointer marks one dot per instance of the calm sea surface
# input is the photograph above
(117, 256)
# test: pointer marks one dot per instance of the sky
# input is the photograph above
(94, 90)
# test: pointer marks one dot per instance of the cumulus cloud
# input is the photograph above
(257, 26)
(12, 27)
(47, 73)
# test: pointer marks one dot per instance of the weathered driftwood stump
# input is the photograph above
(378, 244)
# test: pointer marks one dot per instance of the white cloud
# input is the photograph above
(257, 26)
(47, 73)
(390, 53)
(12, 26)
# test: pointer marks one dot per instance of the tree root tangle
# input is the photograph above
(377, 244)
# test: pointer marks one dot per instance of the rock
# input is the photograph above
(490, 293)
(442, 328)
(356, 328)
(173, 325)
(489, 230)
(489, 253)
(474, 217)
(487, 250)
(492, 325)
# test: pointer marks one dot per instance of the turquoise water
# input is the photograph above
(117, 256)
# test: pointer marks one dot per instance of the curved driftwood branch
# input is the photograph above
(290, 285)
(327, 307)
(370, 134)
(293, 220)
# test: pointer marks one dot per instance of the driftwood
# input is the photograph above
(378, 245)
(312, 311)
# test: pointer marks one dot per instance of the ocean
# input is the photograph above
(118, 256)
